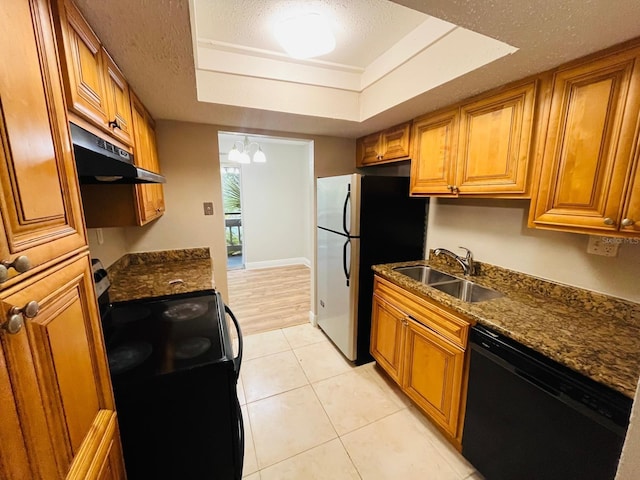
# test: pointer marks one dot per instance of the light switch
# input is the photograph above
(208, 208)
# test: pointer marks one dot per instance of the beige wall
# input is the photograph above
(189, 159)
(496, 232)
(114, 244)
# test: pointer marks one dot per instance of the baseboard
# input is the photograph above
(278, 263)
(313, 318)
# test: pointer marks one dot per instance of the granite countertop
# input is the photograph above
(155, 274)
(591, 333)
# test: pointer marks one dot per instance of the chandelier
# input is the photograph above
(241, 152)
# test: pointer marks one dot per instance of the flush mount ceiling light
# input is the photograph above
(305, 36)
(242, 154)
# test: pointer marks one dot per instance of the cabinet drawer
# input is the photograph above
(451, 327)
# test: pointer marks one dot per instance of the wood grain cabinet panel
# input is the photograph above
(387, 336)
(631, 214)
(39, 203)
(587, 162)
(478, 148)
(433, 161)
(495, 141)
(433, 371)
(96, 88)
(58, 371)
(422, 348)
(390, 145)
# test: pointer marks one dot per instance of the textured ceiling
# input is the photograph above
(364, 29)
(151, 41)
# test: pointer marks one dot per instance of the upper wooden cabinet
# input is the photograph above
(150, 197)
(481, 147)
(588, 181)
(95, 87)
(390, 145)
(39, 201)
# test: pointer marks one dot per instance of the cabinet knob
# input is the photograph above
(114, 124)
(450, 188)
(609, 221)
(20, 265)
(16, 317)
(627, 222)
(455, 189)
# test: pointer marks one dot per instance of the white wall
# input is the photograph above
(496, 232)
(276, 204)
(114, 244)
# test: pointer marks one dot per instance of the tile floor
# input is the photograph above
(310, 415)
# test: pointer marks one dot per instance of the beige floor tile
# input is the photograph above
(396, 447)
(388, 385)
(287, 424)
(475, 476)
(253, 476)
(262, 344)
(444, 448)
(328, 461)
(321, 360)
(302, 335)
(354, 399)
(240, 390)
(270, 375)
(250, 460)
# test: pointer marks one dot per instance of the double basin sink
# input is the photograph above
(464, 290)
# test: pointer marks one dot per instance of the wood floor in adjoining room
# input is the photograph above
(270, 298)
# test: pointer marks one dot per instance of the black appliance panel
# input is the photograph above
(530, 418)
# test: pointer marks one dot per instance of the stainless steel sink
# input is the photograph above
(426, 275)
(467, 291)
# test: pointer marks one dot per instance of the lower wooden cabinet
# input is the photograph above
(423, 348)
(58, 416)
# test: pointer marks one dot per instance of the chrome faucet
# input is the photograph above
(468, 267)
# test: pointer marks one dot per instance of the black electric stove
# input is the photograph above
(174, 375)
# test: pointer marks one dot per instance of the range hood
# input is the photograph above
(99, 161)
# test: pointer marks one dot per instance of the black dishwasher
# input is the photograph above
(530, 418)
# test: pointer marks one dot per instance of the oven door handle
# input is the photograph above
(238, 360)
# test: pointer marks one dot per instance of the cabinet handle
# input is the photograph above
(609, 221)
(17, 314)
(20, 265)
(455, 189)
(450, 188)
(627, 222)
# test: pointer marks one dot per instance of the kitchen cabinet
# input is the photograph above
(390, 145)
(481, 147)
(39, 203)
(95, 87)
(589, 181)
(423, 348)
(57, 412)
(150, 197)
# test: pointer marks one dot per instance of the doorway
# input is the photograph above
(232, 204)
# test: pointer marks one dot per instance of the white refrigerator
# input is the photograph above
(362, 220)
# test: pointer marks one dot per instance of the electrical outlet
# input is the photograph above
(99, 236)
(208, 208)
(605, 246)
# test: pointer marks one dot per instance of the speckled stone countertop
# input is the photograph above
(591, 333)
(155, 274)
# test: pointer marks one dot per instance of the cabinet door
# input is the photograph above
(433, 375)
(83, 65)
(57, 368)
(39, 200)
(631, 214)
(594, 110)
(119, 102)
(495, 140)
(394, 142)
(387, 337)
(368, 150)
(434, 152)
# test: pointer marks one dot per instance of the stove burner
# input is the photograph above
(184, 311)
(191, 347)
(127, 356)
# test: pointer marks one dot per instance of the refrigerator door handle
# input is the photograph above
(345, 265)
(347, 199)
